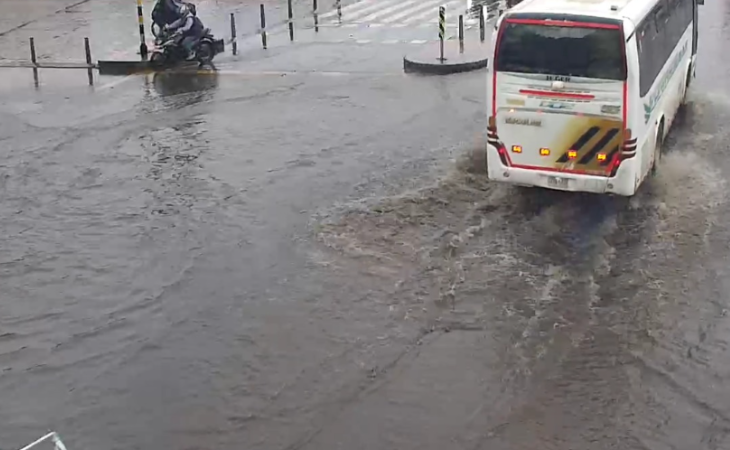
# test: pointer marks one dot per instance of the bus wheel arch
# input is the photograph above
(687, 82)
(658, 144)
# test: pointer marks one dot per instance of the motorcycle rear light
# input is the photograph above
(516, 149)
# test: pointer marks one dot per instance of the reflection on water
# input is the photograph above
(188, 87)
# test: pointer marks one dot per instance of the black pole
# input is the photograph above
(316, 20)
(263, 26)
(461, 33)
(89, 71)
(34, 60)
(234, 44)
(33, 57)
(339, 11)
(481, 23)
(291, 20)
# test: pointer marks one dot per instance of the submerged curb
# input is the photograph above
(122, 67)
(437, 67)
(473, 57)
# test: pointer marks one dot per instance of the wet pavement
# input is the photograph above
(303, 252)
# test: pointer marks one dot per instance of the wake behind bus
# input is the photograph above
(582, 93)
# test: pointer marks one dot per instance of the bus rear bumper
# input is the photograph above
(622, 184)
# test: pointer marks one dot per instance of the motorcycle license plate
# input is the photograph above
(220, 46)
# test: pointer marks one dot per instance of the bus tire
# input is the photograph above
(658, 149)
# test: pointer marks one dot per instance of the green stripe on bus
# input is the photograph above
(654, 99)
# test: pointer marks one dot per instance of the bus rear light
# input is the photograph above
(627, 151)
(601, 157)
(516, 149)
(544, 152)
(572, 154)
(503, 155)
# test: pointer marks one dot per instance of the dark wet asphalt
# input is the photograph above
(302, 252)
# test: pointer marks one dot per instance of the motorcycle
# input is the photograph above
(169, 51)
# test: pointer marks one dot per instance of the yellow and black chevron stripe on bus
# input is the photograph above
(593, 137)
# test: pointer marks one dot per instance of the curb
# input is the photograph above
(442, 68)
(122, 67)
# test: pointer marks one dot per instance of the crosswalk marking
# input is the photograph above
(384, 41)
(413, 12)
(346, 9)
(366, 6)
(386, 11)
(430, 10)
(453, 9)
(432, 5)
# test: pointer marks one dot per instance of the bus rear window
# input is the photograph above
(566, 51)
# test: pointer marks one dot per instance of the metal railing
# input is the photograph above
(53, 437)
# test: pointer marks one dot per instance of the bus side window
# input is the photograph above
(661, 17)
(648, 46)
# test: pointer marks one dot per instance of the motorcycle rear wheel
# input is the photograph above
(158, 59)
(205, 53)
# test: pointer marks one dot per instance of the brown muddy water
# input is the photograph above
(611, 329)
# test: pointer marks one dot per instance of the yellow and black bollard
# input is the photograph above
(442, 30)
(142, 42)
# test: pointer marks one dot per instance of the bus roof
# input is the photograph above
(631, 12)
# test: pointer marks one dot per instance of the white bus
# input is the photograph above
(581, 93)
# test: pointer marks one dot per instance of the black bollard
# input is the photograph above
(234, 44)
(461, 33)
(34, 60)
(263, 26)
(481, 23)
(291, 20)
(89, 63)
(339, 11)
(316, 20)
(33, 57)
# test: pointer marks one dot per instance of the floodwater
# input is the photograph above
(272, 259)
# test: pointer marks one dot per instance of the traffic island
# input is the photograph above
(473, 57)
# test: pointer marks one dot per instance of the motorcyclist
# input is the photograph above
(188, 26)
(166, 12)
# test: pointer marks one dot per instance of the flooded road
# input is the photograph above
(303, 252)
